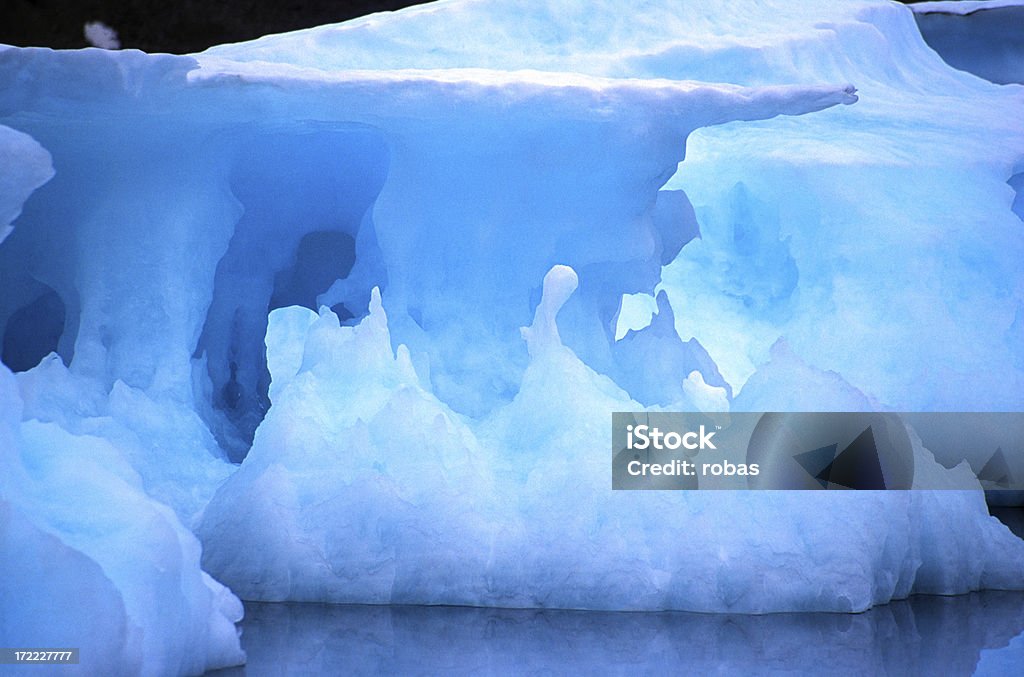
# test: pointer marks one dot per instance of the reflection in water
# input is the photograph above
(924, 635)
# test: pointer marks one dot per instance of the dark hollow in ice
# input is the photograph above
(33, 331)
(307, 201)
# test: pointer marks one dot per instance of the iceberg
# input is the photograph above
(352, 306)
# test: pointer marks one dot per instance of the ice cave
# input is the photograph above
(341, 315)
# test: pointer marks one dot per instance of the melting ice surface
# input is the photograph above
(386, 263)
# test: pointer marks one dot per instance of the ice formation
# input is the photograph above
(90, 560)
(514, 510)
(326, 246)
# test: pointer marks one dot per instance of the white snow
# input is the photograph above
(99, 34)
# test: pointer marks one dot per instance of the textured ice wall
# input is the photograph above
(362, 487)
(88, 558)
(874, 239)
(814, 237)
(28, 167)
(218, 174)
(874, 249)
(91, 561)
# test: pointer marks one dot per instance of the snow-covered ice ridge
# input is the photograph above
(427, 184)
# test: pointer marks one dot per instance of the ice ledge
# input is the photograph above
(656, 95)
(86, 84)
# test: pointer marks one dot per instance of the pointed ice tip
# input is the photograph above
(663, 304)
(375, 303)
(375, 315)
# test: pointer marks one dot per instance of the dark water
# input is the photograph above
(925, 635)
(1011, 516)
(987, 43)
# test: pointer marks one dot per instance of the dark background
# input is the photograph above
(175, 26)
